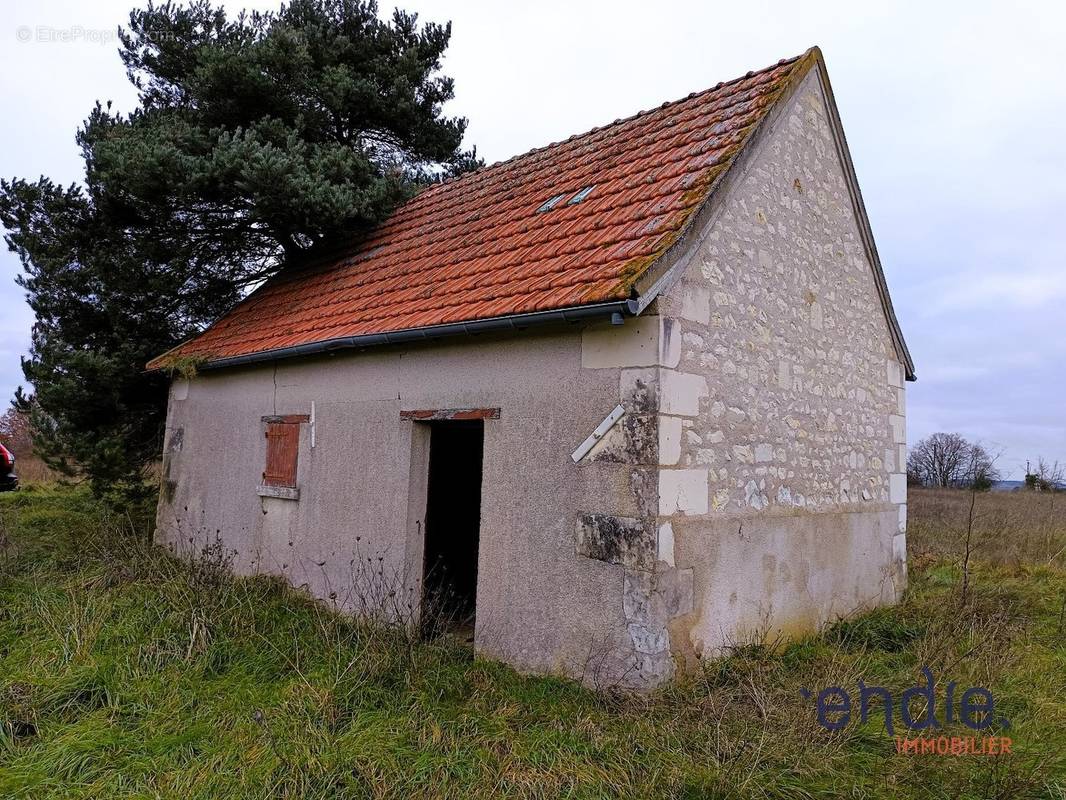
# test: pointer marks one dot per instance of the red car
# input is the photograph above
(8, 479)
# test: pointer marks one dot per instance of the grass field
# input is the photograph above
(125, 674)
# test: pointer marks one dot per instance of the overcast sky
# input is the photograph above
(955, 115)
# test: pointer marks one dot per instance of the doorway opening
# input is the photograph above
(453, 521)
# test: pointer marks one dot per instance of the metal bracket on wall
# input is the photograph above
(601, 431)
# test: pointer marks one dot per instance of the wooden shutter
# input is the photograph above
(283, 442)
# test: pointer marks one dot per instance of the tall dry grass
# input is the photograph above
(31, 469)
(1009, 528)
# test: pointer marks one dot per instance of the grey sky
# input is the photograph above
(955, 115)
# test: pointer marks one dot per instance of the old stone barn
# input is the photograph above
(607, 407)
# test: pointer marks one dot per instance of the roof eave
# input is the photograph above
(511, 322)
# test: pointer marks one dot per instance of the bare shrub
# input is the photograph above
(1047, 477)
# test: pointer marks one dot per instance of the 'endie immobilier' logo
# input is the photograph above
(974, 707)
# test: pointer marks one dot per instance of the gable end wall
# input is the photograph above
(785, 492)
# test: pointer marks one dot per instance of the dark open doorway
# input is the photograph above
(453, 520)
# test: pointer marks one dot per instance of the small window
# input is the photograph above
(283, 446)
(551, 203)
(282, 451)
(577, 198)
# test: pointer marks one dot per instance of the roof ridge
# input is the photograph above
(480, 171)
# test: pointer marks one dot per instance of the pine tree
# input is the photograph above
(257, 139)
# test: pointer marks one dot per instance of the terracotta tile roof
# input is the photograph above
(478, 247)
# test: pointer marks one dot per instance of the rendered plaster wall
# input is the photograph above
(782, 485)
(540, 605)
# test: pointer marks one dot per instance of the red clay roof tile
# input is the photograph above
(476, 247)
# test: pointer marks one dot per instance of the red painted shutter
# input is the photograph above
(283, 441)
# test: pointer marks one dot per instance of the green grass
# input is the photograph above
(126, 674)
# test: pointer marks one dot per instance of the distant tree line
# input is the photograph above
(947, 460)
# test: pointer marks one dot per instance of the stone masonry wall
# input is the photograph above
(787, 397)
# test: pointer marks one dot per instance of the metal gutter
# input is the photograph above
(616, 311)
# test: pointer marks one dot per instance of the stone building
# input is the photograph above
(615, 404)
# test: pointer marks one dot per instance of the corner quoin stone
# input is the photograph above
(632, 344)
(669, 440)
(897, 488)
(683, 491)
(616, 540)
(680, 392)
